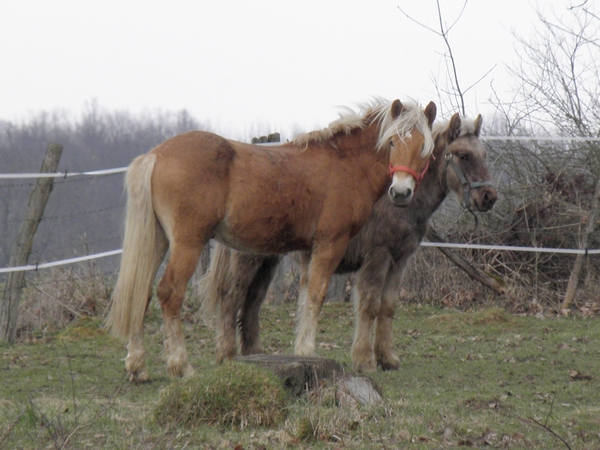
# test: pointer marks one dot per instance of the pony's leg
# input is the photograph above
(231, 295)
(135, 362)
(323, 262)
(171, 292)
(243, 269)
(384, 342)
(226, 324)
(367, 304)
(249, 314)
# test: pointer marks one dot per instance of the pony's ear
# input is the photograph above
(454, 127)
(478, 122)
(430, 113)
(397, 108)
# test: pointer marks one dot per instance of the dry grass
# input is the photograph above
(54, 298)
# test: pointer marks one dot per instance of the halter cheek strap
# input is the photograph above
(466, 185)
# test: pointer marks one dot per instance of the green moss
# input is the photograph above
(234, 394)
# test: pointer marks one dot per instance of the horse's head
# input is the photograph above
(411, 145)
(467, 173)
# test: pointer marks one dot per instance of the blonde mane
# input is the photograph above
(377, 111)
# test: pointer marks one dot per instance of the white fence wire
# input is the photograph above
(66, 174)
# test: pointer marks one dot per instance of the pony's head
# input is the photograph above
(466, 171)
(405, 131)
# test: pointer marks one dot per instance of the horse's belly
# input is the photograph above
(263, 236)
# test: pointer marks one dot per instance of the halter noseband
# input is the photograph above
(466, 184)
(418, 177)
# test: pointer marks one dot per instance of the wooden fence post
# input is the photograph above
(591, 226)
(9, 308)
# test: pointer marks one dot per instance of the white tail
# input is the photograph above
(137, 271)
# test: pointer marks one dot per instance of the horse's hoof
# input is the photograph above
(139, 377)
(389, 365)
(225, 356)
(180, 372)
(304, 351)
(188, 371)
(368, 366)
(252, 350)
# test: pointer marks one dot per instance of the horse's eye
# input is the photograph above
(464, 157)
(391, 142)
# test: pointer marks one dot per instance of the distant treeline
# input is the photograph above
(545, 196)
(84, 214)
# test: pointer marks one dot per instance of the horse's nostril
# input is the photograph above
(489, 198)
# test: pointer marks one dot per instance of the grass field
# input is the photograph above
(479, 379)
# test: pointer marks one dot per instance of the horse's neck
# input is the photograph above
(361, 145)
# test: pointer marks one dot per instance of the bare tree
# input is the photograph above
(557, 91)
(557, 78)
(452, 91)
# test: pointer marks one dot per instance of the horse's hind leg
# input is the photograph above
(135, 362)
(171, 292)
(384, 342)
(367, 304)
(249, 315)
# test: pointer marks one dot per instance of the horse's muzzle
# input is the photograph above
(400, 197)
(485, 199)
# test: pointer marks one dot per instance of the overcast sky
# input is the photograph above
(250, 67)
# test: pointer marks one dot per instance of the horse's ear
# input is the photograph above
(454, 127)
(430, 113)
(397, 108)
(478, 122)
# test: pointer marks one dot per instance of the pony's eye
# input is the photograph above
(464, 157)
(391, 142)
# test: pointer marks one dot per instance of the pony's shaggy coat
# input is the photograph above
(312, 197)
(236, 283)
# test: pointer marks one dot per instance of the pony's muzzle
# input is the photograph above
(402, 189)
(486, 199)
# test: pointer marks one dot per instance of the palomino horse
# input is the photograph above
(312, 194)
(236, 283)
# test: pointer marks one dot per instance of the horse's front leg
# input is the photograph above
(367, 305)
(323, 262)
(384, 339)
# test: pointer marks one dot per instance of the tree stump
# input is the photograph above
(303, 373)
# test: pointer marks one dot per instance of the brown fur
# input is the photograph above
(380, 253)
(312, 197)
